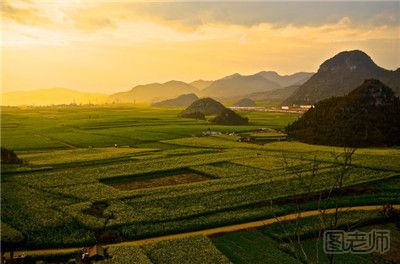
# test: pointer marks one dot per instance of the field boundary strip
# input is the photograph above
(215, 230)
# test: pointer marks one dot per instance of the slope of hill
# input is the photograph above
(209, 107)
(206, 106)
(339, 75)
(244, 102)
(287, 80)
(182, 100)
(201, 84)
(274, 96)
(153, 92)
(238, 85)
(229, 117)
(367, 116)
(52, 96)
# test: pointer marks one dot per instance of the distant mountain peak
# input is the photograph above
(271, 73)
(175, 82)
(201, 84)
(348, 60)
(232, 76)
(238, 85)
(340, 75)
(297, 78)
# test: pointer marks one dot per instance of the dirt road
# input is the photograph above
(215, 230)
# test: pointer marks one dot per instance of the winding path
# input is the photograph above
(215, 230)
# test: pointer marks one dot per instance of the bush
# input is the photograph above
(9, 157)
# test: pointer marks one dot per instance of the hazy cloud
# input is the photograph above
(22, 11)
(90, 15)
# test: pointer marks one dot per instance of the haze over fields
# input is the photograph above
(109, 48)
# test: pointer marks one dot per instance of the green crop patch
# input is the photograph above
(251, 247)
(156, 179)
(197, 249)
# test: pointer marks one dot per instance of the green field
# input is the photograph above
(70, 164)
(271, 245)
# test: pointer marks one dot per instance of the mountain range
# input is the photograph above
(235, 85)
(287, 80)
(182, 100)
(341, 74)
(153, 92)
(274, 96)
(241, 85)
(336, 76)
(201, 84)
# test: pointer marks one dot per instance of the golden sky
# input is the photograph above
(110, 46)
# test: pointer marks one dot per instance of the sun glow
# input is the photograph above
(107, 46)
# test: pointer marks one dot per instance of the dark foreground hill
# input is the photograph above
(340, 75)
(245, 102)
(182, 100)
(367, 116)
(209, 107)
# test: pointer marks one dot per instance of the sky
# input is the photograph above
(110, 46)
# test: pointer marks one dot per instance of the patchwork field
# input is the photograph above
(111, 174)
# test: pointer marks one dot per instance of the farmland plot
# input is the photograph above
(50, 200)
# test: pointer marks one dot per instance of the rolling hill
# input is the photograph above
(52, 96)
(153, 92)
(341, 74)
(210, 107)
(206, 106)
(245, 102)
(287, 80)
(201, 84)
(238, 85)
(182, 100)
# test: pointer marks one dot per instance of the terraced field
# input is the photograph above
(68, 191)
